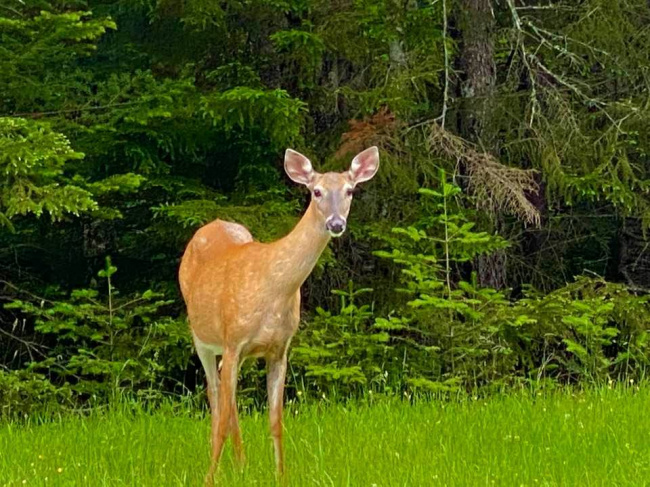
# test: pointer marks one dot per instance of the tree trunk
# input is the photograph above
(476, 25)
(633, 254)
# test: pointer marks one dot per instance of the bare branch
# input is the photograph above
(496, 186)
(445, 95)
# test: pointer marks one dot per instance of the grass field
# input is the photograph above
(594, 438)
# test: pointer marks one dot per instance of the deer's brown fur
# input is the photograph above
(243, 296)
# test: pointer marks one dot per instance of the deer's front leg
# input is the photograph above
(277, 369)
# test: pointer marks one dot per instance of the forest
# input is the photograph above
(503, 244)
(492, 286)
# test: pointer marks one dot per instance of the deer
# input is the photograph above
(243, 296)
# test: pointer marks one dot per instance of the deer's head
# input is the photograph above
(331, 193)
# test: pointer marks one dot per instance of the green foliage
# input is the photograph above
(103, 343)
(32, 163)
(124, 125)
(586, 131)
(304, 51)
(267, 214)
(39, 51)
(26, 392)
(441, 240)
(342, 351)
(588, 330)
(234, 74)
(275, 113)
(461, 334)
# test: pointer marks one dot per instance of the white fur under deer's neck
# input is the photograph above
(294, 257)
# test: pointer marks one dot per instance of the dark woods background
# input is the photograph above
(503, 242)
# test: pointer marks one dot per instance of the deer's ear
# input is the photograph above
(298, 167)
(364, 166)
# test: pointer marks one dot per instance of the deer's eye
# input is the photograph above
(349, 192)
(318, 193)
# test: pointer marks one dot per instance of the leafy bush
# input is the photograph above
(589, 330)
(273, 112)
(125, 128)
(101, 345)
(343, 350)
(24, 392)
(32, 162)
(452, 333)
(475, 336)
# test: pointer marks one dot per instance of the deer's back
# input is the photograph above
(208, 251)
(220, 281)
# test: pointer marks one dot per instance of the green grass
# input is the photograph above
(594, 438)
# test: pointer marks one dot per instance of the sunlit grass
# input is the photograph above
(594, 438)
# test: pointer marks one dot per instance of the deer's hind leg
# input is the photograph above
(208, 356)
(235, 431)
(227, 420)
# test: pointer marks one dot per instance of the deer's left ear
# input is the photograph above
(364, 166)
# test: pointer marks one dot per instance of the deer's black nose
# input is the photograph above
(335, 225)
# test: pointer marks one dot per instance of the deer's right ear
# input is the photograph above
(298, 167)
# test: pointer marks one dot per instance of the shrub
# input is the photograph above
(102, 344)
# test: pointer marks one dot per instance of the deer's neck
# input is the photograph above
(295, 255)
